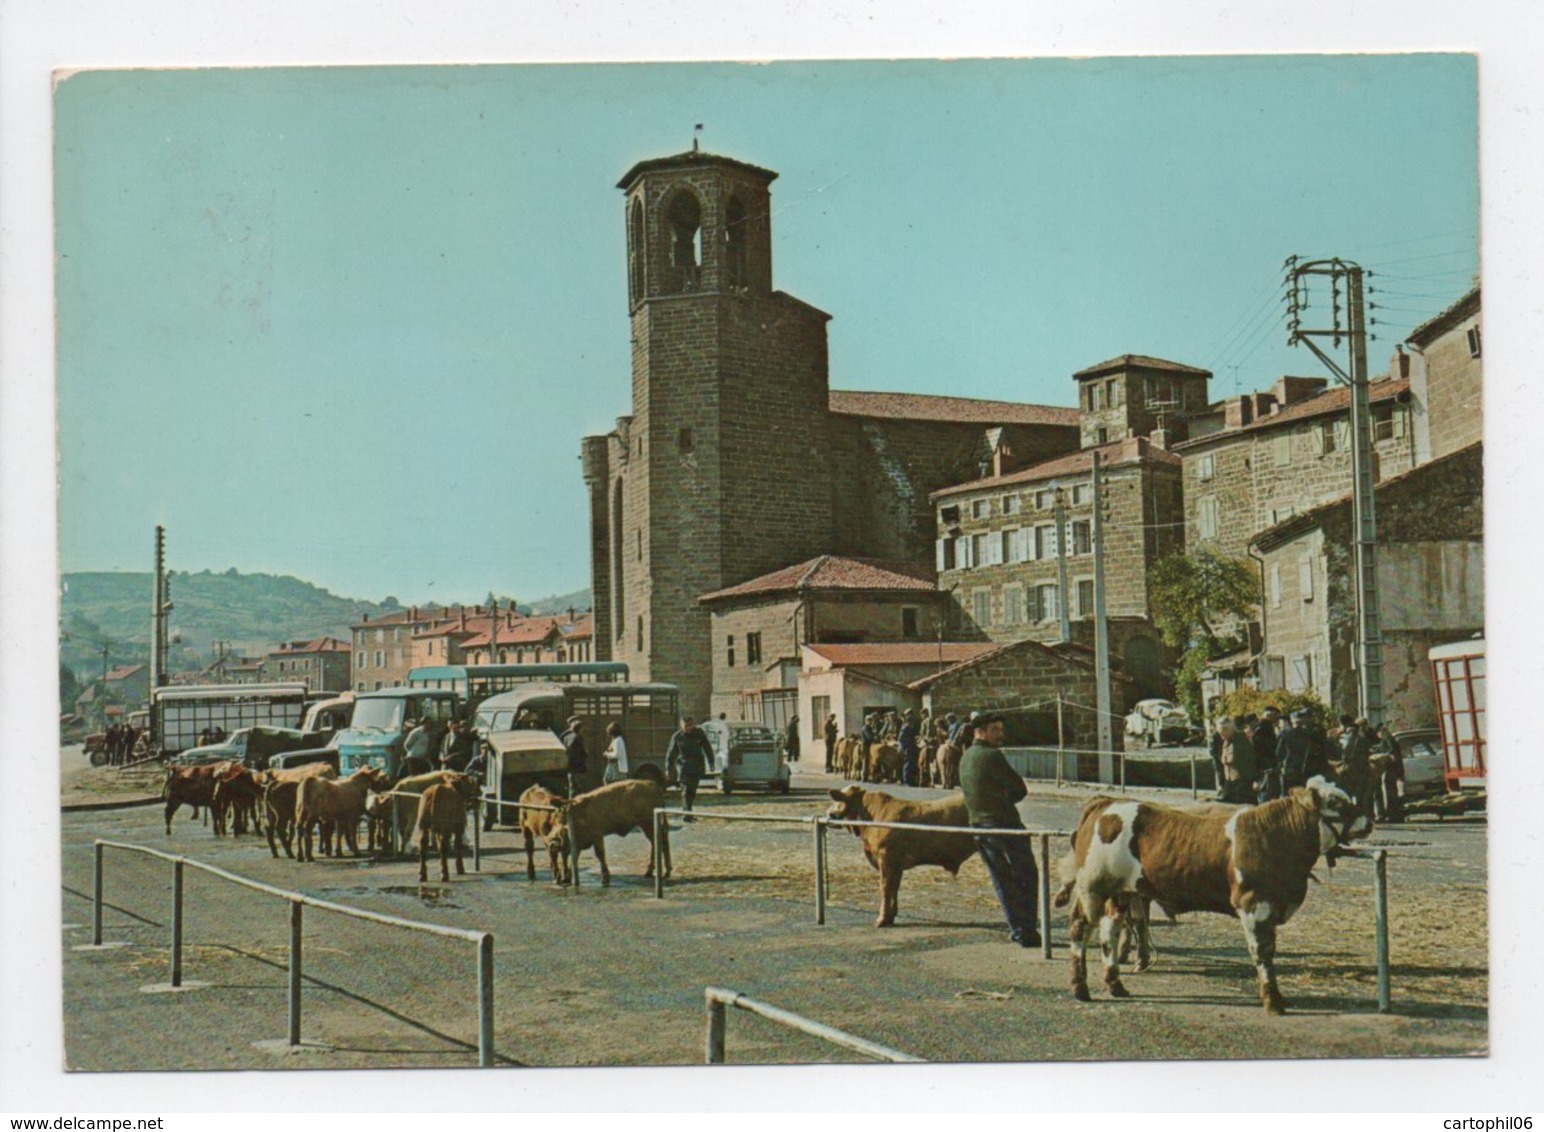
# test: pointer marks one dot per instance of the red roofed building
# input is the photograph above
(322, 664)
(760, 626)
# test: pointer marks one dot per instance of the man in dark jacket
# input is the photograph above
(910, 748)
(992, 790)
(791, 739)
(831, 734)
(1264, 736)
(1300, 752)
(1238, 763)
(578, 756)
(692, 753)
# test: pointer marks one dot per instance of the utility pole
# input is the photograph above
(158, 614)
(1101, 636)
(1347, 275)
(1061, 562)
(104, 662)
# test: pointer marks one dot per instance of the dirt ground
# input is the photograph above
(613, 976)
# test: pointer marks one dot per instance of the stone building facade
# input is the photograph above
(1262, 458)
(323, 664)
(382, 649)
(736, 458)
(1443, 359)
(1430, 578)
(1000, 552)
(1137, 395)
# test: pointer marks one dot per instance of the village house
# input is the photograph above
(1430, 575)
(1442, 357)
(382, 648)
(759, 626)
(854, 681)
(322, 664)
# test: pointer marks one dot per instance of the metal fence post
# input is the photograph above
(1381, 899)
(177, 922)
(485, 1001)
(820, 870)
(573, 846)
(96, 897)
(477, 836)
(1045, 895)
(1122, 757)
(294, 972)
(659, 855)
(715, 1040)
(1192, 759)
(396, 828)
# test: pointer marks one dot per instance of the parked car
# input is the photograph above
(251, 746)
(1152, 722)
(746, 754)
(1422, 751)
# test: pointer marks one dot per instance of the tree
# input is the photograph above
(1195, 597)
(69, 688)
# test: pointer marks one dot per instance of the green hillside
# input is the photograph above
(254, 611)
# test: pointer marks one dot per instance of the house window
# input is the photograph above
(1300, 674)
(1388, 423)
(1013, 605)
(360, 659)
(1081, 494)
(982, 602)
(1276, 586)
(1281, 450)
(752, 648)
(1045, 542)
(980, 508)
(729, 649)
(639, 645)
(638, 540)
(1282, 514)
(1101, 435)
(946, 554)
(1473, 335)
(398, 635)
(949, 516)
(380, 658)
(1085, 597)
(1305, 579)
(1010, 505)
(1273, 673)
(820, 710)
(1045, 500)
(1045, 606)
(1117, 394)
(909, 622)
(685, 441)
(978, 550)
(1082, 541)
(1010, 546)
(963, 552)
(1207, 517)
(1205, 467)
(397, 654)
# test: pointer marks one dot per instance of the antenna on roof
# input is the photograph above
(696, 131)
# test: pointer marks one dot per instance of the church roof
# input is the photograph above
(690, 159)
(831, 572)
(961, 410)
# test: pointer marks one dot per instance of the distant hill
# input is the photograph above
(251, 612)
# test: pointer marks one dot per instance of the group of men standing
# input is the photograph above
(1258, 759)
(119, 741)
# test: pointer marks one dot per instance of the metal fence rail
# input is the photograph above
(718, 999)
(298, 901)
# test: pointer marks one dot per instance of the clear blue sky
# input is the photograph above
(350, 324)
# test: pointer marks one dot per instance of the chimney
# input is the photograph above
(412, 613)
(366, 617)
(1158, 438)
(570, 614)
(1290, 390)
(463, 618)
(1400, 365)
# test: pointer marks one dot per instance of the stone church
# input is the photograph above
(737, 458)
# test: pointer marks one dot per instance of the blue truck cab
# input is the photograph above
(382, 720)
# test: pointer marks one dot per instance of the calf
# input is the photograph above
(893, 851)
(543, 824)
(237, 795)
(395, 812)
(191, 786)
(884, 763)
(1253, 863)
(340, 802)
(279, 794)
(442, 815)
(614, 809)
(947, 766)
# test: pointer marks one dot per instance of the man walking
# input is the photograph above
(690, 751)
(992, 790)
(578, 755)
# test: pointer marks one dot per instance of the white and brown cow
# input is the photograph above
(1252, 863)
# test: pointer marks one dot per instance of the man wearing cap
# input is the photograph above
(1238, 763)
(830, 736)
(992, 790)
(690, 751)
(578, 756)
(1298, 753)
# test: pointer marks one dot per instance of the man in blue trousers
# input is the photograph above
(992, 790)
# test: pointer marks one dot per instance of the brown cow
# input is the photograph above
(537, 823)
(1252, 863)
(237, 794)
(442, 815)
(340, 802)
(397, 809)
(884, 763)
(279, 790)
(614, 809)
(947, 764)
(192, 786)
(893, 851)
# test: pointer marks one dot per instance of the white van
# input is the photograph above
(746, 754)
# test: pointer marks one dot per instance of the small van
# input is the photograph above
(746, 754)
(380, 723)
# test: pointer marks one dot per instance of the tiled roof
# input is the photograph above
(1133, 449)
(124, 671)
(527, 631)
(690, 157)
(580, 628)
(1067, 652)
(832, 572)
(904, 652)
(1331, 401)
(1425, 333)
(962, 410)
(1140, 361)
(321, 644)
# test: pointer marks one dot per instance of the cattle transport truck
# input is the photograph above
(180, 715)
(1458, 678)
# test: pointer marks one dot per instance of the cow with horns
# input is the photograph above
(1253, 863)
